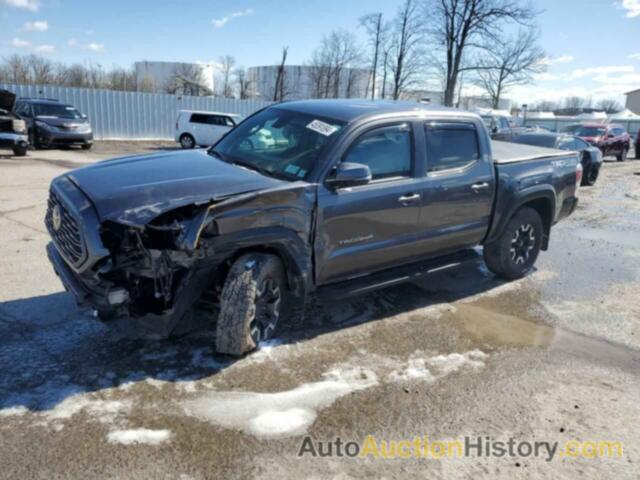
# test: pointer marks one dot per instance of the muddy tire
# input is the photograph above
(513, 254)
(252, 303)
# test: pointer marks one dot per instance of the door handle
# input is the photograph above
(476, 187)
(412, 197)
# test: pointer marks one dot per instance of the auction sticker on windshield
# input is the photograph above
(322, 127)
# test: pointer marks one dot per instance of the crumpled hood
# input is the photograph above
(136, 189)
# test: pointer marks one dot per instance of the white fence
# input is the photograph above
(133, 115)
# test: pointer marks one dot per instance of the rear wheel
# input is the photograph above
(187, 141)
(87, 146)
(253, 300)
(514, 253)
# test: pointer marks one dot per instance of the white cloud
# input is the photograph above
(556, 60)
(604, 70)
(36, 26)
(45, 48)
(221, 22)
(94, 47)
(629, 78)
(632, 7)
(19, 43)
(32, 5)
(634, 56)
(72, 42)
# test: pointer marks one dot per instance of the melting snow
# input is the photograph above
(279, 414)
(432, 368)
(139, 435)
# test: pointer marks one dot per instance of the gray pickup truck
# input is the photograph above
(346, 197)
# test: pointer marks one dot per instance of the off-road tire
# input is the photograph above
(498, 254)
(20, 151)
(239, 304)
(637, 148)
(187, 141)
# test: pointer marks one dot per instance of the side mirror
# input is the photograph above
(494, 129)
(349, 174)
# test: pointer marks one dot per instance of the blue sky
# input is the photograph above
(593, 45)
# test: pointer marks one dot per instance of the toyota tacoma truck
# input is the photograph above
(13, 129)
(351, 196)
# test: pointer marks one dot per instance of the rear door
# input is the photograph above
(460, 187)
(371, 227)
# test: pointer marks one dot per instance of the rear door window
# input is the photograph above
(386, 151)
(451, 146)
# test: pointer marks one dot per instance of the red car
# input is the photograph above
(611, 139)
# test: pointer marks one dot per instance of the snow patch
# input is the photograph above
(433, 368)
(279, 414)
(139, 435)
(13, 411)
(104, 411)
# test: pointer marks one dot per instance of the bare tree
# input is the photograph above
(609, 105)
(378, 31)
(460, 25)
(385, 70)
(574, 103)
(244, 84)
(510, 62)
(279, 88)
(16, 69)
(187, 79)
(227, 62)
(406, 53)
(545, 106)
(337, 52)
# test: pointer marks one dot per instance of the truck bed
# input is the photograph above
(507, 152)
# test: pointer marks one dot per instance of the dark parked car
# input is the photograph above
(13, 131)
(51, 123)
(637, 146)
(611, 139)
(590, 156)
(502, 127)
(355, 195)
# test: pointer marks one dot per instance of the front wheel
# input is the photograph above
(87, 146)
(513, 254)
(253, 300)
(20, 150)
(622, 156)
(591, 176)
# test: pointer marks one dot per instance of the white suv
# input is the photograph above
(203, 128)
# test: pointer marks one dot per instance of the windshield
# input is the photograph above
(55, 110)
(591, 131)
(278, 142)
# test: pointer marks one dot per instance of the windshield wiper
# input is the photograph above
(253, 167)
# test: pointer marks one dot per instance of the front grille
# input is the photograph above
(67, 237)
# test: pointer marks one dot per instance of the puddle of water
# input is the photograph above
(627, 239)
(490, 329)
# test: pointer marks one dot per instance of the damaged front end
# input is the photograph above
(146, 277)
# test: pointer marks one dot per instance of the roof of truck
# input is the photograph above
(349, 109)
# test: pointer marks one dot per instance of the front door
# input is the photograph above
(370, 227)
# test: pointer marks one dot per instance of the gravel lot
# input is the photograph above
(552, 357)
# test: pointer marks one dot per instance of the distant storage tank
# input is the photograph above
(175, 77)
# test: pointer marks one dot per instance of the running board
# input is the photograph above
(396, 275)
